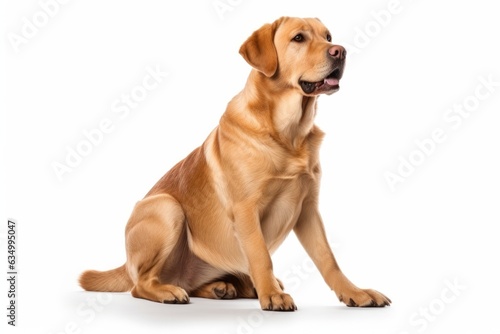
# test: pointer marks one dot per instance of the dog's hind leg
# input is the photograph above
(154, 228)
(216, 290)
(227, 287)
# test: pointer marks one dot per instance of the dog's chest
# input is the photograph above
(283, 198)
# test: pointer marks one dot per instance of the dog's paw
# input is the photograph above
(364, 298)
(163, 293)
(277, 302)
(223, 290)
(216, 290)
(174, 295)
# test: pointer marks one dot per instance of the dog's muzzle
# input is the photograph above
(330, 83)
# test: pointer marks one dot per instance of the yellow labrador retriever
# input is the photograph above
(210, 224)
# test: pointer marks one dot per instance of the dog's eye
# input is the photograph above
(298, 38)
(328, 37)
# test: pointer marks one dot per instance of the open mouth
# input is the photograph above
(328, 84)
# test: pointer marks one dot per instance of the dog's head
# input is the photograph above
(297, 53)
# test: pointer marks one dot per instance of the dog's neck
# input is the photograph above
(276, 108)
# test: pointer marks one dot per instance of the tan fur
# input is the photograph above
(209, 225)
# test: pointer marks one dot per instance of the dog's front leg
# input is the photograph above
(249, 233)
(311, 233)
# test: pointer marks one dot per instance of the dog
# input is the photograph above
(208, 227)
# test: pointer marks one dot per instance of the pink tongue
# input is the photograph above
(332, 81)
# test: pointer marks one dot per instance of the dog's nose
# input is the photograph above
(337, 51)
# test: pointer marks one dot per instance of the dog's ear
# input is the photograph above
(259, 50)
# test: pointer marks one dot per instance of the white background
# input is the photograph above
(436, 227)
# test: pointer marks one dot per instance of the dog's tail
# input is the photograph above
(115, 280)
